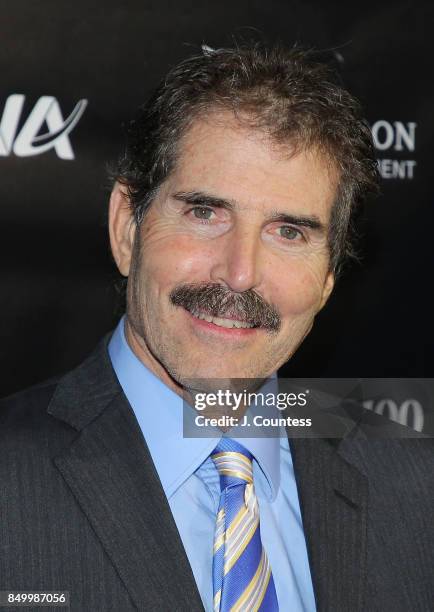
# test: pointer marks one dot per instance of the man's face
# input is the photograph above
(238, 230)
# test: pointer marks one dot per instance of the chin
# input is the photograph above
(209, 374)
(216, 377)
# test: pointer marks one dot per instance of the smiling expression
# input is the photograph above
(231, 262)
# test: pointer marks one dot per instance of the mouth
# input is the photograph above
(228, 325)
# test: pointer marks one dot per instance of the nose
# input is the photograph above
(239, 263)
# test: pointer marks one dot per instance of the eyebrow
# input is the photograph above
(206, 199)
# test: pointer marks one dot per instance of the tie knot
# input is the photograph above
(233, 463)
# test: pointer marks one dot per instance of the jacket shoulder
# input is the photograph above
(21, 406)
(69, 400)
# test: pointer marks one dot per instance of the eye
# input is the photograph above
(203, 213)
(289, 232)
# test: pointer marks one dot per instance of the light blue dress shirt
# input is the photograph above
(191, 484)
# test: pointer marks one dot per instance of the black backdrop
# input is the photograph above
(56, 272)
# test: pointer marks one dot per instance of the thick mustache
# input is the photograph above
(218, 301)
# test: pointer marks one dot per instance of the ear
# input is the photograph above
(327, 289)
(122, 229)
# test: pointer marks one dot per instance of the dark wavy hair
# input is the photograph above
(288, 93)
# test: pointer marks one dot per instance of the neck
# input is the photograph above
(143, 354)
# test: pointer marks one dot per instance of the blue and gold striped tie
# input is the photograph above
(242, 576)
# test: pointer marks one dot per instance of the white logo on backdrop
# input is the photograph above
(409, 412)
(395, 137)
(29, 140)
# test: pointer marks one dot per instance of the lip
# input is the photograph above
(222, 332)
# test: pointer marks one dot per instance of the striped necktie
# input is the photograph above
(242, 576)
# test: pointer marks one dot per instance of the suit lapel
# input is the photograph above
(110, 472)
(333, 498)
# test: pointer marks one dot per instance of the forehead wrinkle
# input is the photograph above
(281, 152)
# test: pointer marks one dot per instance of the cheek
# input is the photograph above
(176, 260)
(299, 289)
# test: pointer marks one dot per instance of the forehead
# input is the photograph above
(228, 159)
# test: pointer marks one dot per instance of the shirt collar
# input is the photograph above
(159, 412)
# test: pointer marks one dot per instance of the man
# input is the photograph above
(230, 216)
